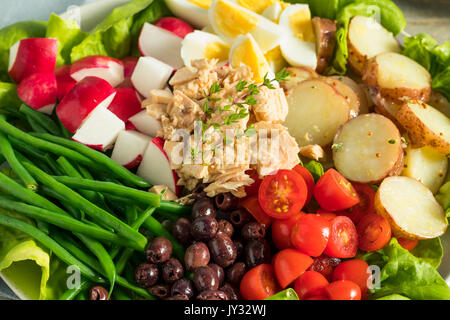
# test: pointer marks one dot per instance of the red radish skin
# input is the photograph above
(64, 80)
(130, 148)
(39, 91)
(82, 100)
(126, 103)
(33, 55)
(134, 163)
(107, 68)
(129, 64)
(129, 126)
(175, 25)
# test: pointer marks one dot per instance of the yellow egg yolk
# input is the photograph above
(217, 50)
(205, 4)
(232, 21)
(275, 58)
(257, 6)
(301, 25)
(251, 56)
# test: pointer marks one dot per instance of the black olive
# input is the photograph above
(146, 275)
(197, 255)
(172, 270)
(226, 201)
(98, 293)
(159, 250)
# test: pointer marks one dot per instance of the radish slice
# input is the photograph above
(130, 148)
(150, 74)
(100, 130)
(39, 91)
(129, 64)
(64, 80)
(32, 55)
(126, 103)
(175, 25)
(146, 124)
(87, 95)
(107, 68)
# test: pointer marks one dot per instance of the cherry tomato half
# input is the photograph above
(407, 243)
(253, 189)
(310, 283)
(309, 180)
(310, 234)
(355, 270)
(343, 240)
(327, 215)
(282, 229)
(325, 265)
(283, 194)
(334, 193)
(289, 264)
(343, 290)
(259, 283)
(374, 232)
(251, 204)
(366, 204)
(317, 298)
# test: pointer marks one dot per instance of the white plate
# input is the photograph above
(92, 13)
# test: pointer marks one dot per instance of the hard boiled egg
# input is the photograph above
(298, 42)
(273, 12)
(275, 59)
(229, 20)
(193, 11)
(199, 45)
(257, 6)
(245, 50)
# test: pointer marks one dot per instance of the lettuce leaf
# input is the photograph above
(68, 34)
(394, 297)
(321, 8)
(316, 169)
(8, 95)
(13, 33)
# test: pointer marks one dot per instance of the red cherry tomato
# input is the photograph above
(407, 243)
(310, 234)
(343, 240)
(366, 204)
(309, 180)
(334, 193)
(251, 204)
(374, 232)
(283, 194)
(252, 189)
(343, 290)
(325, 214)
(259, 283)
(317, 298)
(325, 266)
(355, 270)
(289, 264)
(311, 283)
(282, 229)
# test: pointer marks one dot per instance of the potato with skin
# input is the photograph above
(368, 148)
(347, 92)
(316, 111)
(325, 31)
(297, 75)
(396, 77)
(366, 39)
(410, 208)
(426, 126)
(358, 88)
(440, 102)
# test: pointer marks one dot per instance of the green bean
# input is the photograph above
(13, 111)
(158, 230)
(41, 144)
(64, 132)
(27, 149)
(51, 244)
(49, 193)
(99, 158)
(64, 222)
(71, 294)
(131, 214)
(87, 207)
(168, 215)
(35, 126)
(15, 165)
(140, 291)
(120, 294)
(104, 258)
(82, 296)
(44, 121)
(173, 207)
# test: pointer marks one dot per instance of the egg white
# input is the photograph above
(191, 13)
(195, 44)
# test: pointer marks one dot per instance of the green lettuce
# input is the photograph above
(443, 197)
(11, 34)
(316, 169)
(68, 34)
(8, 95)
(412, 276)
(394, 297)
(321, 8)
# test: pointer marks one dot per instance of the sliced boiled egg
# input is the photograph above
(193, 11)
(199, 45)
(245, 50)
(275, 59)
(257, 6)
(229, 20)
(298, 42)
(273, 12)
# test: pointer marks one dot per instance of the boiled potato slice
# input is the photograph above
(325, 31)
(347, 92)
(364, 100)
(426, 126)
(438, 101)
(411, 209)
(366, 39)
(297, 75)
(397, 77)
(316, 111)
(426, 166)
(368, 148)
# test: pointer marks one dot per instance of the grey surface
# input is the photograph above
(430, 16)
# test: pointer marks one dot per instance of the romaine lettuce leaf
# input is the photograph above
(13, 33)
(316, 169)
(394, 297)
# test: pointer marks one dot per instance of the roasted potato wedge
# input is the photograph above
(325, 31)
(364, 100)
(347, 92)
(426, 126)
(316, 111)
(397, 77)
(297, 75)
(411, 209)
(366, 39)
(368, 148)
